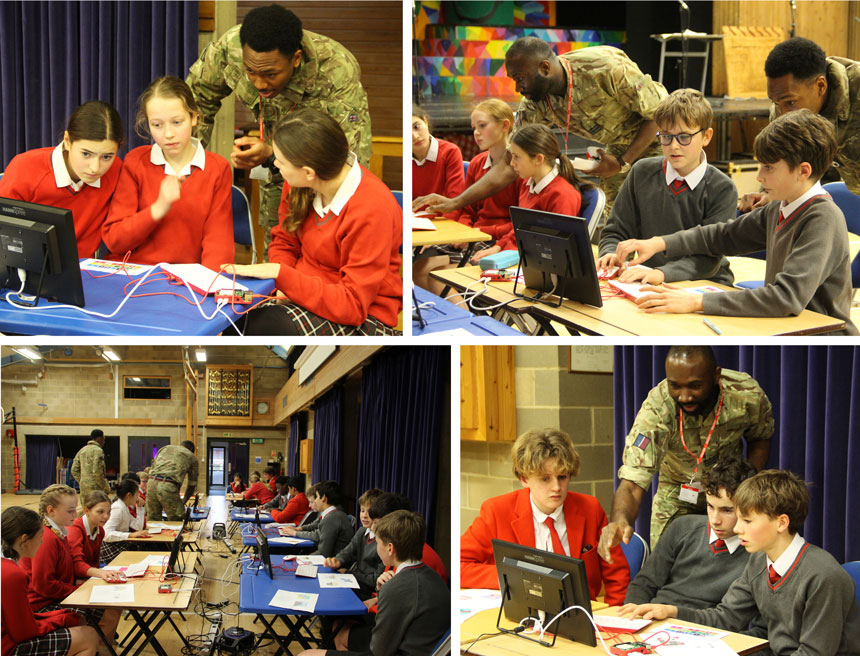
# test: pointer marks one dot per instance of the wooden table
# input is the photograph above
(508, 645)
(189, 538)
(156, 606)
(621, 317)
(447, 232)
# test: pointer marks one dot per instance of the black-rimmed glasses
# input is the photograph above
(684, 138)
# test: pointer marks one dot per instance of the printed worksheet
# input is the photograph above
(337, 581)
(112, 593)
(303, 601)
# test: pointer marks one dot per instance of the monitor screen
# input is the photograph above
(175, 548)
(556, 256)
(40, 240)
(263, 548)
(196, 501)
(534, 581)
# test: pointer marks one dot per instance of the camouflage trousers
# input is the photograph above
(666, 506)
(86, 486)
(270, 201)
(163, 495)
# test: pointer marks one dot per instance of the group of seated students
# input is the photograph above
(335, 255)
(744, 567)
(678, 212)
(47, 555)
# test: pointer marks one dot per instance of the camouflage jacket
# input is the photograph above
(328, 79)
(88, 467)
(611, 98)
(654, 441)
(174, 461)
(842, 108)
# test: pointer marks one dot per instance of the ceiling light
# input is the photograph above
(110, 355)
(200, 354)
(28, 352)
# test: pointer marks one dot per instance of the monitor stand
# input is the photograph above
(519, 630)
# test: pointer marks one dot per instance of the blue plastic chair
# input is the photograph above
(465, 167)
(850, 206)
(591, 208)
(635, 551)
(398, 196)
(853, 568)
(243, 231)
(443, 647)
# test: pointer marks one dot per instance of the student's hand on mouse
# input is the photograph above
(434, 203)
(249, 152)
(669, 299)
(608, 261)
(111, 575)
(643, 275)
(492, 250)
(611, 536)
(607, 166)
(265, 270)
(385, 576)
(648, 611)
(167, 195)
(749, 202)
(645, 249)
(332, 562)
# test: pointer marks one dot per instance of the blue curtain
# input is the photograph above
(399, 429)
(328, 436)
(41, 459)
(55, 56)
(293, 443)
(815, 392)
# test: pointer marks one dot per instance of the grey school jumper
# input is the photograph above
(331, 533)
(414, 611)
(810, 610)
(683, 569)
(647, 207)
(807, 261)
(362, 560)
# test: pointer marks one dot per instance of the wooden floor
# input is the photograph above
(215, 557)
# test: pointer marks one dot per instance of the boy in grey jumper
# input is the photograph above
(359, 557)
(680, 190)
(333, 530)
(805, 598)
(698, 557)
(802, 229)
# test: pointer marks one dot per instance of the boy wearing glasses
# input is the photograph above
(680, 190)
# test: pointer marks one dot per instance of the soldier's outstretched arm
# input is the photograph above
(625, 510)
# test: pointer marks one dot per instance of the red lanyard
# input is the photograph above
(710, 433)
(569, 99)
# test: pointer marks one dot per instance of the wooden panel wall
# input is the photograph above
(830, 23)
(487, 393)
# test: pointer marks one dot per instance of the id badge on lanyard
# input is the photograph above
(689, 493)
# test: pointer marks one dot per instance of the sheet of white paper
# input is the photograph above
(303, 601)
(285, 540)
(308, 571)
(309, 560)
(107, 266)
(683, 637)
(473, 601)
(152, 525)
(337, 581)
(422, 223)
(700, 648)
(112, 593)
(155, 559)
(202, 278)
(138, 569)
(612, 622)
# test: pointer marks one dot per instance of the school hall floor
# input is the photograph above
(215, 557)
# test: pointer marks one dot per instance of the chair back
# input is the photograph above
(850, 205)
(465, 167)
(443, 647)
(243, 231)
(853, 568)
(635, 551)
(398, 196)
(591, 209)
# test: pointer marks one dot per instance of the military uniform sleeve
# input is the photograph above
(630, 87)
(347, 104)
(645, 444)
(761, 421)
(99, 473)
(206, 80)
(193, 471)
(528, 112)
(76, 469)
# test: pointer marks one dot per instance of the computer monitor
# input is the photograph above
(263, 550)
(555, 256)
(175, 548)
(257, 516)
(40, 240)
(533, 580)
(196, 501)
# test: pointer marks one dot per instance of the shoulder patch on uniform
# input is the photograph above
(352, 118)
(642, 441)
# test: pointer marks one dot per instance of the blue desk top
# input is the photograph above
(249, 538)
(441, 310)
(164, 314)
(242, 515)
(484, 326)
(257, 590)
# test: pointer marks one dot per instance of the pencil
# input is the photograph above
(713, 327)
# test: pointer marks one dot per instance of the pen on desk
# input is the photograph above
(710, 324)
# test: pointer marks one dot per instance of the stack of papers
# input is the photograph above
(337, 581)
(285, 540)
(309, 571)
(107, 266)
(422, 223)
(303, 601)
(622, 624)
(112, 593)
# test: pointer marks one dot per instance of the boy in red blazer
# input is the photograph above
(545, 515)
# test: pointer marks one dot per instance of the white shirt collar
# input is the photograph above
(406, 563)
(345, 191)
(815, 190)
(488, 163)
(91, 534)
(541, 516)
(61, 173)
(156, 156)
(432, 153)
(693, 178)
(536, 188)
(732, 543)
(327, 511)
(370, 535)
(64, 530)
(784, 562)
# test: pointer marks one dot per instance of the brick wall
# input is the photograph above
(546, 395)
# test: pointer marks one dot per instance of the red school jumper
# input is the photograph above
(261, 492)
(294, 511)
(490, 215)
(344, 267)
(52, 571)
(197, 229)
(509, 517)
(558, 197)
(84, 549)
(19, 623)
(444, 176)
(30, 177)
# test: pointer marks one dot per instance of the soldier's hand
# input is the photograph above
(749, 202)
(249, 152)
(611, 536)
(608, 165)
(434, 203)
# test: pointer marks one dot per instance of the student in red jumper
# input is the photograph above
(237, 486)
(54, 572)
(335, 254)
(259, 491)
(437, 165)
(24, 632)
(297, 507)
(80, 174)
(173, 200)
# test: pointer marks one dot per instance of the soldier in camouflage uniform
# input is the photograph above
(611, 101)
(88, 467)
(700, 391)
(172, 464)
(799, 76)
(274, 67)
